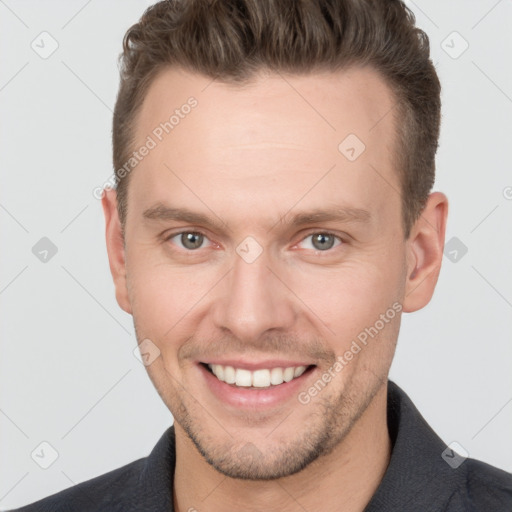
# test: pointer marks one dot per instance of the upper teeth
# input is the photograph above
(259, 378)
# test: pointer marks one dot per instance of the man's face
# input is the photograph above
(252, 290)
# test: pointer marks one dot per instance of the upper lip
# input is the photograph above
(258, 365)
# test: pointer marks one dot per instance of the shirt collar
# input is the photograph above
(417, 477)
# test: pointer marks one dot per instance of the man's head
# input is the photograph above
(279, 216)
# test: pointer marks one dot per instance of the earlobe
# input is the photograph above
(115, 248)
(425, 253)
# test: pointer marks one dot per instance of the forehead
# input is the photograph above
(280, 140)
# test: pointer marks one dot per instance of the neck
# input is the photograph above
(345, 479)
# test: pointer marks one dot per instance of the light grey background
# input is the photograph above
(67, 369)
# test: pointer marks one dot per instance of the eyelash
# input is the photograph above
(317, 232)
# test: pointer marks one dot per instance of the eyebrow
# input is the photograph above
(161, 212)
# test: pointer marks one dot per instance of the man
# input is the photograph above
(273, 218)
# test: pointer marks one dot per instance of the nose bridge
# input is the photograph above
(253, 299)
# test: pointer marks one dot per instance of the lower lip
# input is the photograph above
(255, 398)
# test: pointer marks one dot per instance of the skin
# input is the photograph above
(251, 156)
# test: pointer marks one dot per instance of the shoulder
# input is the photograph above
(483, 487)
(144, 484)
(103, 492)
(424, 469)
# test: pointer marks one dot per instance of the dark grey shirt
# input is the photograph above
(423, 475)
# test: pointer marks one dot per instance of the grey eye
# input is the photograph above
(191, 240)
(322, 241)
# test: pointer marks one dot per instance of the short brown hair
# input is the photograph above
(231, 40)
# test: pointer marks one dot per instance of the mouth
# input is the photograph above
(260, 379)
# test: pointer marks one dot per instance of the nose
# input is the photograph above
(253, 300)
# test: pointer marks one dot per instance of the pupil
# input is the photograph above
(321, 238)
(192, 240)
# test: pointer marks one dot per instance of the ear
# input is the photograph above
(425, 253)
(115, 248)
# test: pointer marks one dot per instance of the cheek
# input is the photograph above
(160, 297)
(350, 298)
